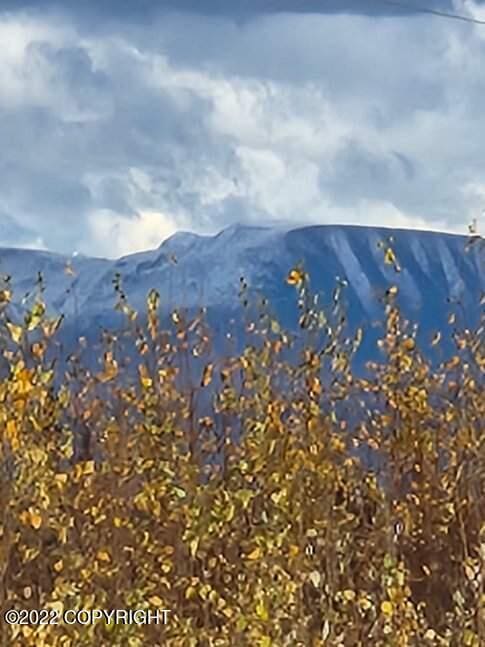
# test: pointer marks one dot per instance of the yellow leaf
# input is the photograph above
(190, 592)
(57, 606)
(453, 362)
(103, 556)
(207, 375)
(295, 277)
(34, 317)
(471, 571)
(58, 566)
(262, 611)
(389, 257)
(24, 384)
(277, 496)
(393, 290)
(12, 434)
(145, 379)
(16, 332)
(275, 327)
(155, 601)
(315, 386)
(61, 479)
(365, 604)
(409, 344)
(449, 415)
(245, 497)
(110, 372)
(50, 327)
(470, 639)
(294, 550)
(194, 544)
(204, 591)
(349, 595)
(35, 520)
(88, 468)
(5, 296)
(241, 623)
(180, 492)
(255, 554)
(146, 382)
(37, 350)
(231, 509)
(387, 608)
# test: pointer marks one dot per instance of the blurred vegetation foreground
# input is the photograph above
(267, 497)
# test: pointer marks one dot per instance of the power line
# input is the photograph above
(434, 12)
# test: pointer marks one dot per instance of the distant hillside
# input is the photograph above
(189, 270)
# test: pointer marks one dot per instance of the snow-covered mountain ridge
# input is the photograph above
(192, 270)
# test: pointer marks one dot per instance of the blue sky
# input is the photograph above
(121, 126)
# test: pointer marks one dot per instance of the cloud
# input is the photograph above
(116, 134)
(14, 234)
(127, 235)
(144, 10)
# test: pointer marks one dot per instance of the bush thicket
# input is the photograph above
(306, 505)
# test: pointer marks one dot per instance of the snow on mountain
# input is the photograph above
(193, 270)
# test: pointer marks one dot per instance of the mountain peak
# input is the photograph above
(433, 268)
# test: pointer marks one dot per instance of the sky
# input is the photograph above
(123, 122)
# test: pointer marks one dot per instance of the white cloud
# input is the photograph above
(24, 79)
(130, 134)
(471, 7)
(35, 243)
(386, 214)
(114, 235)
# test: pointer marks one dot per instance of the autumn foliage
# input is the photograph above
(302, 504)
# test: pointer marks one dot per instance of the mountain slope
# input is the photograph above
(191, 270)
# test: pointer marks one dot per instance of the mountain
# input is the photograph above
(192, 270)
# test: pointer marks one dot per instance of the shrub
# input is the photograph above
(301, 504)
